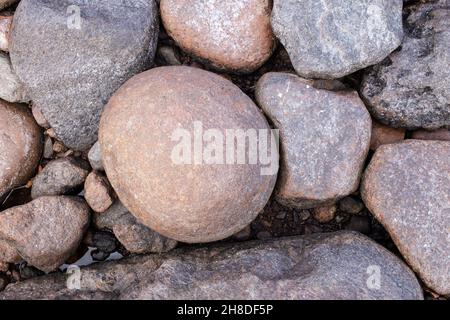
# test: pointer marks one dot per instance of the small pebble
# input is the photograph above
(48, 148)
(39, 117)
(351, 205)
(98, 192)
(359, 223)
(324, 214)
(95, 157)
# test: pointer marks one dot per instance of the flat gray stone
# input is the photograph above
(324, 137)
(76, 69)
(407, 188)
(333, 38)
(411, 88)
(328, 266)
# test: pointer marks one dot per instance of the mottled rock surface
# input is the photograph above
(333, 38)
(46, 231)
(20, 146)
(98, 192)
(95, 157)
(81, 62)
(134, 236)
(411, 88)
(333, 266)
(234, 35)
(5, 26)
(407, 188)
(60, 176)
(186, 194)
(324, 139)
(382, 134)
(11, 89)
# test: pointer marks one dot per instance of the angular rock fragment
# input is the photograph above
(11, 89)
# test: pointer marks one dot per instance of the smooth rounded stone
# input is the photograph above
(351, 205)
(336, 266)
(11, 89)
(233, 35)
(39, 117)
(440, 134)
(48, 148)
(46, 231)
(59, 177)
(98, 192)
(6, 3)
(333, 38)
(5, 26)
(324, 138)
(145, 135)
(410, 89)
(134, 236)
(407, 188)
(20, 146)
(81, 61)
(95, 157)
(325, 214)
(382, 134)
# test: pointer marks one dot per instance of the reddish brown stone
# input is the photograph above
(382, 134)
(98, 192)
(186, 202)
(407, 188)
(440, 134)
(44, 232)
(20, 146)
(325, 214)
(234, 35)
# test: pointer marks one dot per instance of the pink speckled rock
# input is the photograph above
(234, 35)
(407, 188)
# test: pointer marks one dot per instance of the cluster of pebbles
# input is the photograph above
(94, 97)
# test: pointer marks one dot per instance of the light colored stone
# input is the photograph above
(324, 139)
(233, 35)
(11, 89)
(95, 157)
(407, 188)
(98, 192)
(5, 26)
(334, 38)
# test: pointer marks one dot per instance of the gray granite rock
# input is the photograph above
(407, 188)
(324, 139)
(333, 38)
(95, 157)
(11, 89)
(60, 176)
(411, 88)
(46, 231)
(134, 236)
(80, 65)
(329, 266)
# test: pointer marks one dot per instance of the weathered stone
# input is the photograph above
(81, 60)
(440, 134)
(5, 26)
(324, 139)
(407, 188)
(134, 236)
(382, 134)
(234, 35)
(61, 176)
(11, 89)
(39, 117)
(6, 3)
(48, 148)
(410, 89)
(333, 38)
(333, 266)
(145, 137)
(325, 214)
(46, 231)
(20, 146)
(95, 157)
(98, 192)
(351, 205)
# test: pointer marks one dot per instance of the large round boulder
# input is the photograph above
(162, 137)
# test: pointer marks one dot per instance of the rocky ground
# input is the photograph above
(91, 93)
